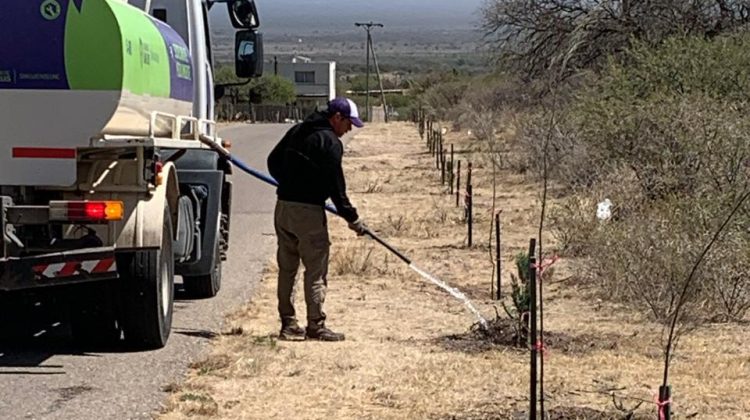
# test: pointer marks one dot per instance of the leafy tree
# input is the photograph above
(268, 89)
(271, 89)
(225, 74)
(357, 82)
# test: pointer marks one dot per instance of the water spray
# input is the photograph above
(269, 180)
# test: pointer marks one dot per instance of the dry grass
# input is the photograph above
(410, 352)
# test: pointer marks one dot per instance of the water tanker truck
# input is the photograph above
(106, 189)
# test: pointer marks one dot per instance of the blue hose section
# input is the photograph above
(268, 179)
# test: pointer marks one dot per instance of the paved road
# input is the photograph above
(48, 378)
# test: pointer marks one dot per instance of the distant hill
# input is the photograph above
(307, 16)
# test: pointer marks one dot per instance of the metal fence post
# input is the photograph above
(498, 253)
(532, 332)
(458, 182)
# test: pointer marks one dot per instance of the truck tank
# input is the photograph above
(73, 70)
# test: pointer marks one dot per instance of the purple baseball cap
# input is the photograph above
(347, 108)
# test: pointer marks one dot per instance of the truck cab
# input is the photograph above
(107, 187)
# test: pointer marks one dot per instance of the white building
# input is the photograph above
(314, 82)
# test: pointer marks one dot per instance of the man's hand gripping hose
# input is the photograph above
(359, 227)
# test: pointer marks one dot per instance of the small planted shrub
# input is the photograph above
(520, 299)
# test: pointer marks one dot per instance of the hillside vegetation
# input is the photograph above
(638, 106)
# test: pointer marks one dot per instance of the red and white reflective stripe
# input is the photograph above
(43, 153)
(72, 268)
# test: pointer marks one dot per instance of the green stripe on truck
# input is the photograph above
(139, 63)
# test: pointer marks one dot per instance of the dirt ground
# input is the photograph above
(412, 351)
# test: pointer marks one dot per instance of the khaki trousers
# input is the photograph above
(302, 235)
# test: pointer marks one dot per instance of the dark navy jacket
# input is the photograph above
(307, 165)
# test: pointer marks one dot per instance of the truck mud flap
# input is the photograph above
(56, 269)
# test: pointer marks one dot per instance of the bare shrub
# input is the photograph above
(352, 260)
(211, 365)
(666, 139)
(643, 261)
(361, 260)
(572, 224)
(395, 224)
(573, 218)
(441, 99)
(423, 229)
(441, 215)
(728, 279)
(373, 186)
(529, 34)
(198, 404)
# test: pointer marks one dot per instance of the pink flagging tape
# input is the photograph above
(661, 405)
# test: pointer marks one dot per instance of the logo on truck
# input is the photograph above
(50, 9)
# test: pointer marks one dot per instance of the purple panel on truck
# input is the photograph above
(25, 27)
(180, 67)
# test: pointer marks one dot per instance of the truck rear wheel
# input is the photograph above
(207, 285)
(148, 284)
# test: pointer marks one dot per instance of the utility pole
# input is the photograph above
(380, 82)
(368, 27)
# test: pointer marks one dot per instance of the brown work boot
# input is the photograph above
(320, 332)
(291, 331)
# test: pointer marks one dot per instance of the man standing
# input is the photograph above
(307, 165)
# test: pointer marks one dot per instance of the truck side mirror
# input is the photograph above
(248, 48)
(243, 14)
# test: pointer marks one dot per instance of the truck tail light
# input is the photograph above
(158, 169)
(86, 211)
